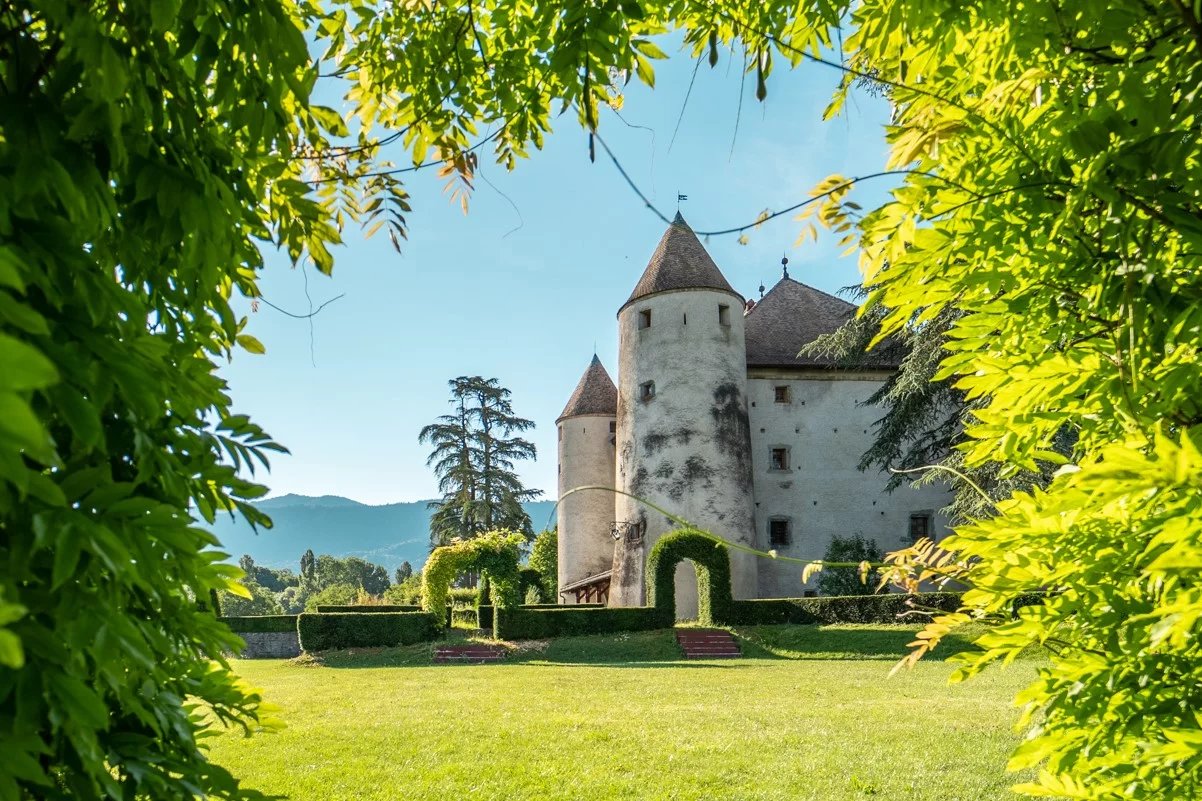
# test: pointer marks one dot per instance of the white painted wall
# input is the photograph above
(823, 493)
(687, 449)
(586, 459)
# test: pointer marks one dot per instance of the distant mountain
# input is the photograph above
(387, 535)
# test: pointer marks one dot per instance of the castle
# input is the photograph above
(717, 419)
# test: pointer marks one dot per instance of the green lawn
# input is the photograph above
(810, 715)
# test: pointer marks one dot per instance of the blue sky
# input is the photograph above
(469, 294)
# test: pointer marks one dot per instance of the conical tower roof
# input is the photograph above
(679, 262)
(595, 394)
(791, 316)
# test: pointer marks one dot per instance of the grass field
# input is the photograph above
(810, 714)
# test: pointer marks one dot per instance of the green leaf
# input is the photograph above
(330, 119)
(19, 424)
(12, 655)
(250, 344)
(23, 367)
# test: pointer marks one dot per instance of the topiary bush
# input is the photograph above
(367, 608)
(885, 608)
(523, 623)
(494, 554)
(323, 632)
(712, 560)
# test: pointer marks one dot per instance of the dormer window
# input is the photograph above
(644, 319)
(723, 314)
(647, 391)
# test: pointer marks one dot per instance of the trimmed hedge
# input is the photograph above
(259, 624)
(712, 561)
(828, 610)
(525, 623)
(464, 596)
(367, 609)
(484, 614)
(323, 632)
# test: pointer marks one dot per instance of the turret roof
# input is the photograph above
(595, 394)
(679, 262)
(791, 316)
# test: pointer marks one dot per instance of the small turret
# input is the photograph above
(586, 459)
(683, 437)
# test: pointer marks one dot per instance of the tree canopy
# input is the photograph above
(474, 458)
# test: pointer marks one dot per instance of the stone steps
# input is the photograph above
(707, 644)
(470, 654)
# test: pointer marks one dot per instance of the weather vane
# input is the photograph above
(784, 262)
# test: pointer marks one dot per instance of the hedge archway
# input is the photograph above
(712, 560)
(495, 554)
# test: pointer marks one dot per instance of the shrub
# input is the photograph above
(261, 602)
(521, 623)
(463, 597)
(471, 618)
(846, 580)
(323, 632)
(335, 594)
(261, 623)
(367, 609)
(406, 592)
(885, 608)
(495, 554)
(531, 579)
(710, 556)
(544, 557)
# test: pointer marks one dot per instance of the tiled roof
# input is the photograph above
(680, 262)
(791, 316)
(595, 394)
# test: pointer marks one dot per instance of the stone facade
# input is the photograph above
(821, 493)
(683, 437)
(270, 644)
(719, 421)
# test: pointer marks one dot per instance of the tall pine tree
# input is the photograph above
(476, 449)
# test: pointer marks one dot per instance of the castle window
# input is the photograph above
(723, 314)
(613, 427)
(779, 459)
(920, 526)
(647, 391)
(781, 394)
(778, 532)
(644, 319)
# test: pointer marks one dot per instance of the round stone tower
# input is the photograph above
(683, 437)
(586, 459)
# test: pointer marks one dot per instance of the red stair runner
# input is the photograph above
(472, 653)
(707, 644)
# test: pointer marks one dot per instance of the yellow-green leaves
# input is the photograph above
(23, 367)
(12, 654)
